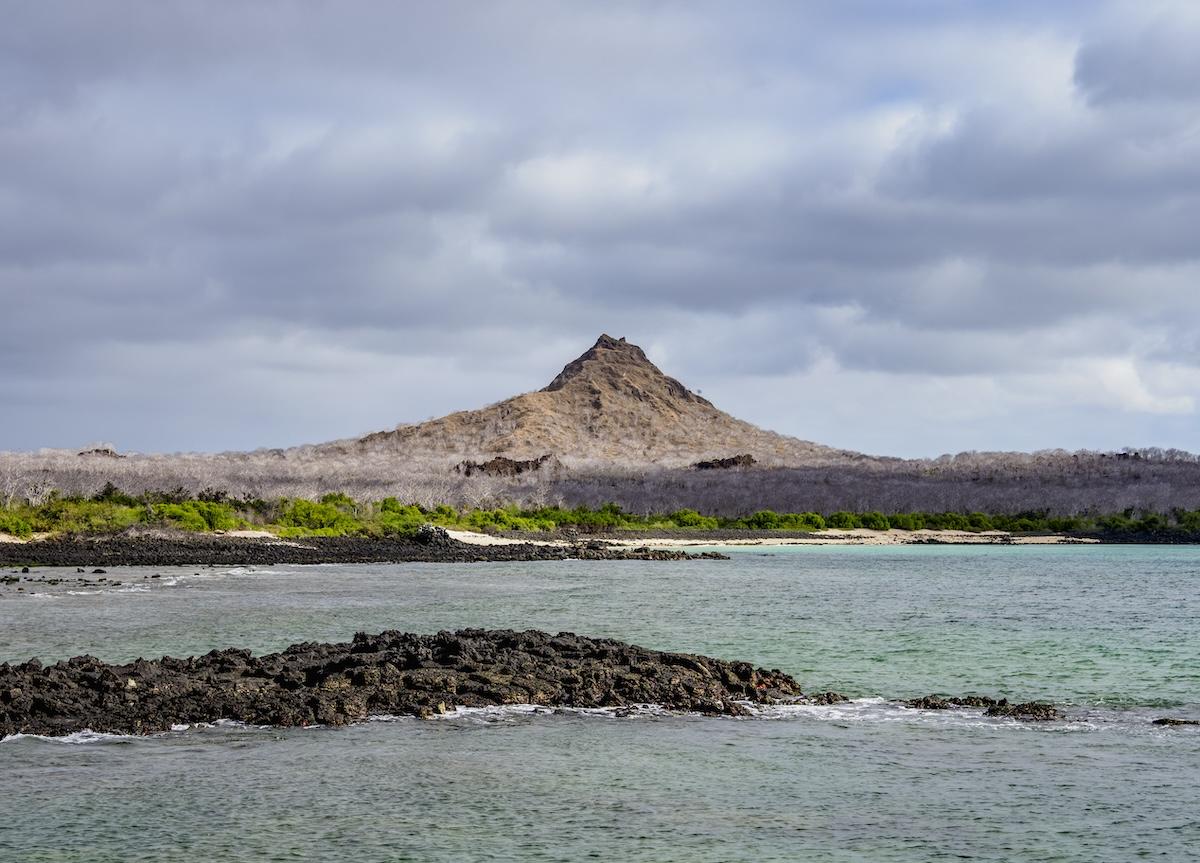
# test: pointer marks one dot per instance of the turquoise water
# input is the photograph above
(1110, 633)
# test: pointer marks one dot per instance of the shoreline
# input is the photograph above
(161, 549)
(683, 538)
(856, 536)
(157, 547)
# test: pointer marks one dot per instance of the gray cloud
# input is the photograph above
(283, 222)
(1152, 60)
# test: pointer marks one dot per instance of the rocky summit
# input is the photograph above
(610, 404)
(393, 673)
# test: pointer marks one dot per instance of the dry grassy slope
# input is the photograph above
(611, 404)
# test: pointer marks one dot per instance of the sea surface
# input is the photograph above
(1110, 633)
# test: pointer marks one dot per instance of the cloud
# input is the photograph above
(1151, 58)
(289, 222)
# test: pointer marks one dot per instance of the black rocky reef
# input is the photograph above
(431, 545)
(1032, 711)
(390, 673)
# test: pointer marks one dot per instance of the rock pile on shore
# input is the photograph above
(390, 673)
(193, 549)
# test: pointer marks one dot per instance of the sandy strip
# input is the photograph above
(861, 536)
(472, 538)
(8, 537)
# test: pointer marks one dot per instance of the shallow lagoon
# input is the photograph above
(1106, 631)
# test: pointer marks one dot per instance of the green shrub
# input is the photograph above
(14, 525)
(322, 519)
(764, 519)
(1188, 521)
(198, 515)
(947, 521)
(843, 520)
(75, 515)
(810, 521)
(689, 518)
(907, 521)
(979, 521)
(874, 521)
(111, 494)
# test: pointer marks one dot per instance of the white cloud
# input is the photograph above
(954, 226)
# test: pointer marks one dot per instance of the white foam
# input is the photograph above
(879, 710)
(102, 591)
(883, 711)
(510, 712)
(77, 738)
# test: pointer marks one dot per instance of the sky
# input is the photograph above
(905, 228)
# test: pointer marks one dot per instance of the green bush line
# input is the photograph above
(338, 515)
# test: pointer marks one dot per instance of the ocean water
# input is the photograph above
(1111, 634)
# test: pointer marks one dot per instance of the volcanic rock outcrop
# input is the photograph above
(1030, 711)
(733, 461)
(391, 673)
(430, 545)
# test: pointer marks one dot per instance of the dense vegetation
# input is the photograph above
(1054, 482)
(336, 514)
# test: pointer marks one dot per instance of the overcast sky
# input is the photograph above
(903, 228)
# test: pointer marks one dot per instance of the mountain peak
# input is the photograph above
(609, 404)
(617, 365)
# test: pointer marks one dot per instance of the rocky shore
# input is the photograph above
(397, 673)
(431, 546)
(390, 673)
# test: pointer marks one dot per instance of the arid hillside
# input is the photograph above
(612, 427)
(611, 405)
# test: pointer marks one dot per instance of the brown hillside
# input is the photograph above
(611, 404)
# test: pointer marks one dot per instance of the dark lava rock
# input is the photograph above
(928, 702)
(1030, 711)
(1172, 721)
(743, 460)
(503, 466)
(431, 534)
(824, 698)
(193, 549)
(390, 673)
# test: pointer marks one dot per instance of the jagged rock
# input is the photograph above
(824, 698)
(1033, 711)
(1030, 711)
(200, 549)
(431, 534)
(502, 466)
(390, 673)
(744, 460)
(928, 702)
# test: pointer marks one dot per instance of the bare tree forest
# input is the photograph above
(1057, 482)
